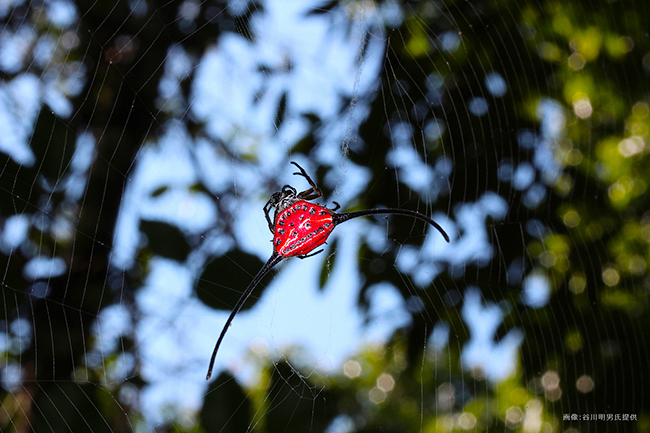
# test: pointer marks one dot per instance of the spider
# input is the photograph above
(299, 227)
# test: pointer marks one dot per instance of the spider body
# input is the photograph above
(298, 228)
(301, 228)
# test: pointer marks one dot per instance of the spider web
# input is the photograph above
(141, 142)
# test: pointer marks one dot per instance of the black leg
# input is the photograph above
(267, 210)
(314, 191)
(310, 254)
(310, 194)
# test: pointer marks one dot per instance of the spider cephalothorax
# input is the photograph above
(299, 227)
(289, 195)
(280, 201)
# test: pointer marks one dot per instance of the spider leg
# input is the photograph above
(273, 260)
(289, 188)
(310, 194)
(310, 254)
(314, 191)
(267, 210)
(338, 206)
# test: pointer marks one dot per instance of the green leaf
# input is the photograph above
(226, 407)
(78, 407)
(18, 192)
(224, 279)
(292, 412)
(159, 191)
(282, 111)
(53, 144)
(165, 240)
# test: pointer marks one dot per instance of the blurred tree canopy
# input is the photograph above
(584, 226)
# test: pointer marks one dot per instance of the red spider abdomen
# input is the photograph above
(300, 228)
